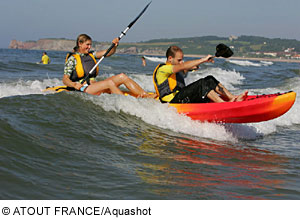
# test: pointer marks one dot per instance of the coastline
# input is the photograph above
(232, 58)
(283, 48)
(200, 56)
(266, 59)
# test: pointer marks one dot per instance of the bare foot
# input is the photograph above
(240, 97)
(148, 95)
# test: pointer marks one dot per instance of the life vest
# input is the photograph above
(84, 64)
(173, 83)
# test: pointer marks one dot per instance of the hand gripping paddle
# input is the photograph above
(123, 33)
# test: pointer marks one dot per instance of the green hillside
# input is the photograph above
(249, 46)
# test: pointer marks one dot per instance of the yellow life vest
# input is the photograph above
(170, 85)
(84, 64)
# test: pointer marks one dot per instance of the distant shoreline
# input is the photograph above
(199, 55)
(233, 58)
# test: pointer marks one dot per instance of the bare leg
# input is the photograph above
(106, 86)
(131, 85)
(214, 97)
(226, 95)
(241, 97)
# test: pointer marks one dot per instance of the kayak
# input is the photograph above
(256, 108)
(58, 89)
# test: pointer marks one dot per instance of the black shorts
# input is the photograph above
(197, 91)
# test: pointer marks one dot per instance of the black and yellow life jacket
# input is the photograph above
(84, 64)
(172, 84)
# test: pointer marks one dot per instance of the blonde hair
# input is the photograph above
(81, 39)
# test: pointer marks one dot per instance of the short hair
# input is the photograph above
(172, 50)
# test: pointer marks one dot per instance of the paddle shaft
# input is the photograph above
(107, 52)
(123, 33)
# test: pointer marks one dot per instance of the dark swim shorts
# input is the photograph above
(197, 91)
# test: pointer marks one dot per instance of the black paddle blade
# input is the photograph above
(223, 51)
(142, 12)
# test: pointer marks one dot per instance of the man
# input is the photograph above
(170, 86)
(45, 59)
(143, 61)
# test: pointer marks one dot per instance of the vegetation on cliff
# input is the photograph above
(248, 46)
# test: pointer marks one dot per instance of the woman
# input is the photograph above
(81, 61)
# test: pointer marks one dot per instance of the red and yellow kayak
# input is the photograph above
(255, 108)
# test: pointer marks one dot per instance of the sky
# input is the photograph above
(104, 20)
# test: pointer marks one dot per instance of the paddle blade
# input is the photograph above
(142, 12)
(223, 51)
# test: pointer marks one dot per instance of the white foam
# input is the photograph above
(267, 63)
(250, 63)
(160, 115)
(26, 87)
(229, 78)
(156, 59)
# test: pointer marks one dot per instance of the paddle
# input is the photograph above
(223, 51)
(123, 33)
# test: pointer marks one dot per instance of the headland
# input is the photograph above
(244, 47)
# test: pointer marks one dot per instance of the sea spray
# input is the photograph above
(160, 115)
(229, 78)
(250, 63)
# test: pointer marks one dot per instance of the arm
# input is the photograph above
(69, 67)
(192, 64)
(100, 53)
(191, 70)
(66, 80)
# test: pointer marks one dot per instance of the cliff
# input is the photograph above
(43, 44)
(52, 44)
(67, 45)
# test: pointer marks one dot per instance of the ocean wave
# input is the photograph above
(26, 87)
(156, 59)
(165, 117)
(229, 78)
(249, 63)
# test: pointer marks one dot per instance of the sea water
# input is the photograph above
(72, 145)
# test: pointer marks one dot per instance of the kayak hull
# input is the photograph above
(253, 109)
